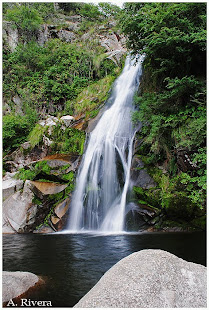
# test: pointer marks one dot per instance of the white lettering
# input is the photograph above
(11, 303)
(29, 303)
(23, 302)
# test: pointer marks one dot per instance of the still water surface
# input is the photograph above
(73, 264)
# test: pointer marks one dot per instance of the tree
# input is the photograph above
(172, 35)
(172, 100)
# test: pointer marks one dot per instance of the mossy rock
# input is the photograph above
(151, 197)
(178, 206)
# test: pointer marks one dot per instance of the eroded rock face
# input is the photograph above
(139, 175)
(18, 210)
(17, 283)
(10, 186)
(150, 279)
(10, 35)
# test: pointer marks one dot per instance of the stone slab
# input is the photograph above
(150, 279)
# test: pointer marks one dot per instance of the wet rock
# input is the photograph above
(137, 144)
(139, 175)
(43, 230)
(17, 283)
(54, 219)
(61, 209)
(61, 214)
(93, 122)
(134, 221)
(169, 229)
(150, 279)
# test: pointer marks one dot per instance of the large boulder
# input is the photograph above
(10, 186)
(18, 210)
(17, 283)
(149, 279)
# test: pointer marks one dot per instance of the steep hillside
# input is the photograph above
(60, 61)
(52, 54)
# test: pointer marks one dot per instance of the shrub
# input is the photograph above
(15, 130)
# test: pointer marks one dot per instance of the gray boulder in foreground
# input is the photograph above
(149, 279)
(16, 283)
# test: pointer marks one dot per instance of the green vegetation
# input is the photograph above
(172, 100)
(70, 140)
(91, 97)
(16, 129)
(36, 135)
(92, 12)
(31, 172)
(26, 19)
(49, 75)
(52, 77)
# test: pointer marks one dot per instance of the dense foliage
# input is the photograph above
(49, 77)
(172, 102)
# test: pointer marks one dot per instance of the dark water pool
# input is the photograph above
(73, 264)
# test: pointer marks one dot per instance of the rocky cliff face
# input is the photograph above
(68, 29)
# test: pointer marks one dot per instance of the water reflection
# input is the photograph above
(75, 263)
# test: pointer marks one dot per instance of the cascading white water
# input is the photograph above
(99, 200)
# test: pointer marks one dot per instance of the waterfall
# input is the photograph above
(99, 200)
